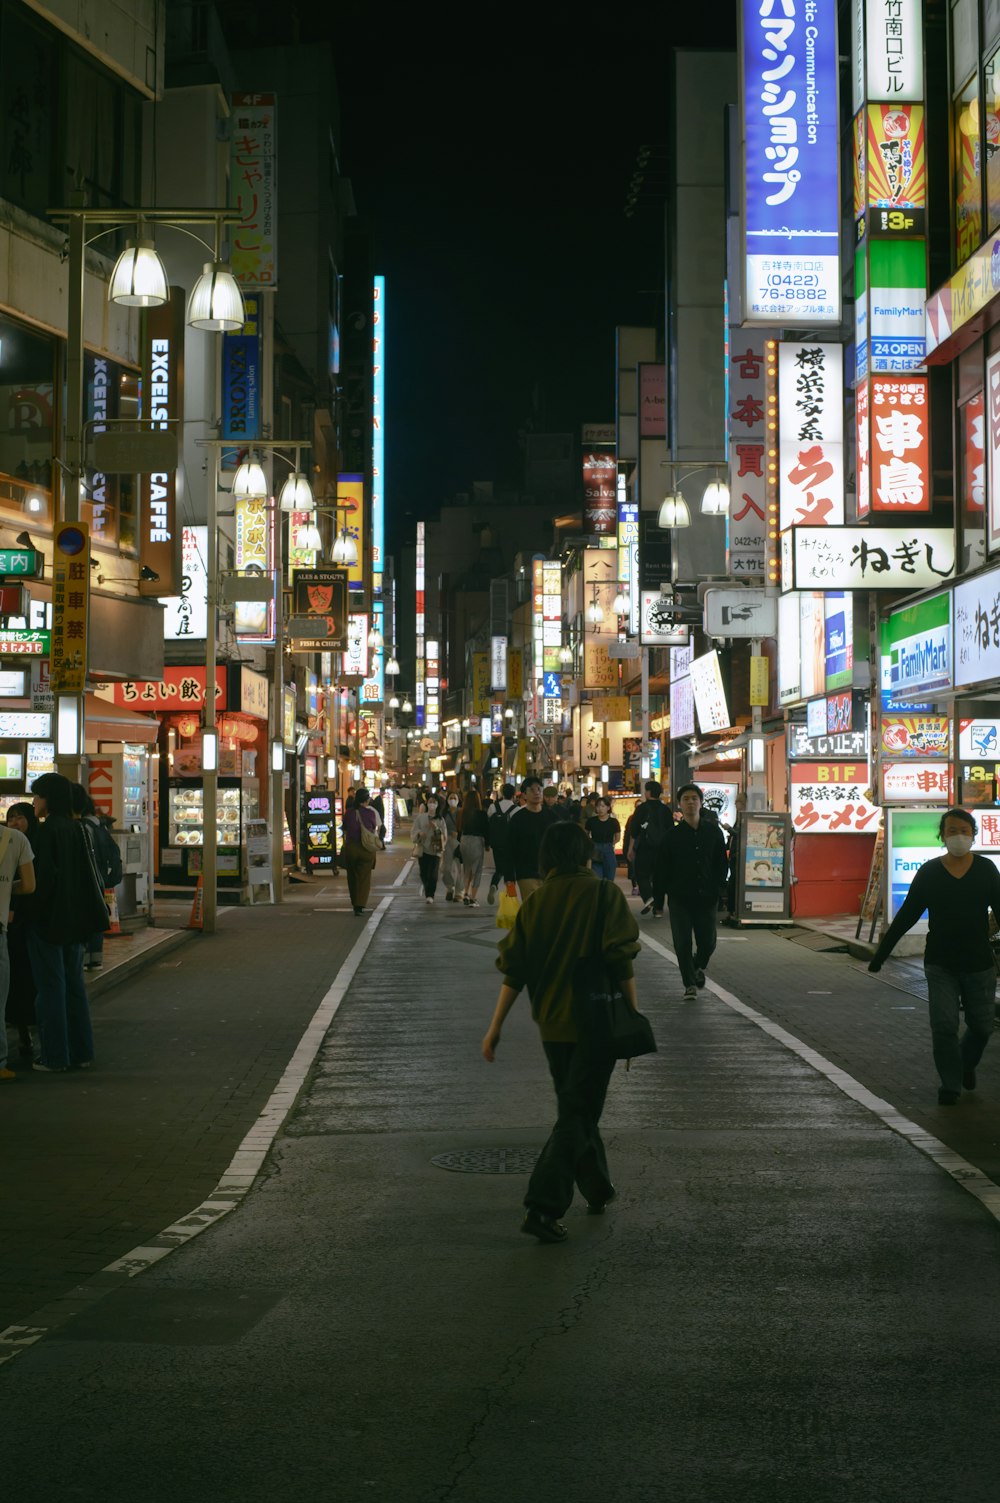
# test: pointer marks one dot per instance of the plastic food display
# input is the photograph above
(187, 816)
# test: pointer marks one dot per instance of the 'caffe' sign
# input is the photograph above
(163, 379)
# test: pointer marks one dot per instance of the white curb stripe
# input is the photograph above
(238, 1179)
(961, 1171)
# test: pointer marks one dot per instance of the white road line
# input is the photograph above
(248, 1159)
(962, 1172)
(404, 874)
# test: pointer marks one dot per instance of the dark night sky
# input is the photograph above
(491, 150)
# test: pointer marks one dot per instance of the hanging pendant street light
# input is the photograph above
(250, 482)
(216, 301)
(345, 549)
(621, 605)
(407, 707)
(595, 611)
(674, 512)
(715, 501)
(565, 654)
(394, 703)
(392, 667)
(296, 493)
(139, 279)
(309, 538)
(375, 639)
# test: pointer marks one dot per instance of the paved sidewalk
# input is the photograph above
(786, 1303)
(97, 1162)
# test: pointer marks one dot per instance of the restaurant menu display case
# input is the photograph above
(236, 802)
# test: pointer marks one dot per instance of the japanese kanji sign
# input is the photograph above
(20, 643)
(992, 435)
(900, 444)
(179, 689)
(600, 671)
(253, 189)
(894, 43)
(20, 562)
(916, 736)
(831, 798)
(871, 558)
(185, 616)
(70, 608)
(977, 628)
(811, 434)
(789, 71)
(254, 544)
(916, 783)
(896, 170)
(862, 430)
(747, 473)
(600, 506)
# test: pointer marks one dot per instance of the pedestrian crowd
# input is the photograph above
(57, 862)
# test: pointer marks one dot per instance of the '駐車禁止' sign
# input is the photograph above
(870, 558)
(811, 434)
(791, 162)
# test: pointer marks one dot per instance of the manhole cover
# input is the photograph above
(488, 1160)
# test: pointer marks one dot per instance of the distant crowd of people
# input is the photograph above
(57, 862)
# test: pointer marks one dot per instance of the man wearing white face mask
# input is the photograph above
(958, 890)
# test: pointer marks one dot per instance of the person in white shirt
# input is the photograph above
(17, 874)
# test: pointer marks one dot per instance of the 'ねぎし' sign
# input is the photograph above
(977, 628)
(871, 558)
(788, 51)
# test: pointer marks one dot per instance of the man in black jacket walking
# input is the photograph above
(696, 879)
(652, 828)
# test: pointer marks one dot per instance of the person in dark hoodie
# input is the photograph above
(66, 906)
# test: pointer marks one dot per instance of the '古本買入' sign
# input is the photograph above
(791, 161)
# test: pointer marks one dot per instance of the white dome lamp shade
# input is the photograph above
(674, 512)
(296, 493)
(309, 538)
(139, 279)
(715, 501)
(250, 482)
(345, 549)
(216, 302)
(392, 666)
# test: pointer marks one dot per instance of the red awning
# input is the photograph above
(107, 722)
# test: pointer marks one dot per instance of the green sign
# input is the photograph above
(22, 562)
(20, 643)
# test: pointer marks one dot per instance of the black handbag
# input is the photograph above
(604, 1017)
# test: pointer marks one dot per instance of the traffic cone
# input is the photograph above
(114, 922)
(197, 919)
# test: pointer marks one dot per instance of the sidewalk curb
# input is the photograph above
(172, 940)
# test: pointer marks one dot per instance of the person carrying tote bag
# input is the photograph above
(553, 931)
(361, 842)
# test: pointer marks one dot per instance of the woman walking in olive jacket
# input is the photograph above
(554, 929)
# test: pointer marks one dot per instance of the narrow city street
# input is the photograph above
(786, 1300)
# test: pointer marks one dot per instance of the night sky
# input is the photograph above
(491, 150)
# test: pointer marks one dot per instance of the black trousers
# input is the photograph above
(429, 866)
(574, 1153)
(697, 919)
(651, 876)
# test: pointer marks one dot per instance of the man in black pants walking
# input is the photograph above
(652, 828)
(696, 879)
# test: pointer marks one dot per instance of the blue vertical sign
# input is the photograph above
(378, 434)
(791, 218)
(241, 384)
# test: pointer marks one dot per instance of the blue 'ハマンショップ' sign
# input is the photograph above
(791, 162)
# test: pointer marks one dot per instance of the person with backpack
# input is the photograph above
(652, 827)
(499, 817)
(107, 859)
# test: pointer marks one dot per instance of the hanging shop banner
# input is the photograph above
(916, 782)
(600, 485)
(178, 689)
(916, 736)
(839, 715)
(898, 274)
(253, 189)
(480, 683)
(862, 434)
(515, 673)
(964, 295)
(378, 433)
(811, 434)
(917, 642)
(838, 638)
(710, 693)
(373, 688)
(681, 707)
(241, 385)
(547, 623)
(900, 445)
(600, 670)
(318, 621)
(896, 170)
(977, 628)
(657, 627)
(894, 44)
(70, 602)
(831, 798)
(356, 646)
(845, 746)
(185, 616)
(163, 379)
(628, 553)
(254, 619)
(992, 435)
(747, 431)
(871, 558)
(860, 313)
(973, 438)
(498, 665)
(351, 515)
(652, 400)
(789, 105)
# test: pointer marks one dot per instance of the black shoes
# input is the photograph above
(699, 978)
(359, 911)
(545, 1228)
(598, 1207)
(969, 1079)
(947, 1098)
(647, 907)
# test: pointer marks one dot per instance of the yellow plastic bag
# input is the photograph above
(507, 911)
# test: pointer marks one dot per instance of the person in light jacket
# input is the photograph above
(450, 865)
(554, 929)
(430, 836)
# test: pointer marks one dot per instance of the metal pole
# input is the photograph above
(210, 780)
(644, 703)
(277, 778)
(70, 764)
